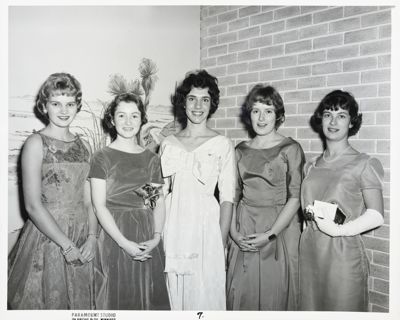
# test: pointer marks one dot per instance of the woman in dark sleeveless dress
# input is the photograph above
(50, 266)
(129, 267)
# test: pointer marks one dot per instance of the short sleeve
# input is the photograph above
(372, 175)
(155, 169)
(239, 182)
(227, 175)
(296, 159)
(98, 166)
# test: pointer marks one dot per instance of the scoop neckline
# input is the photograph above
(284, 139)
(45, 135)
(125, 151)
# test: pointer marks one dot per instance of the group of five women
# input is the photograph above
(202, 225)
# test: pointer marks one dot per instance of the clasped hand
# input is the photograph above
(251, 242)
(84, 254)
(141, 251)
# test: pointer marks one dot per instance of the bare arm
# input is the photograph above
(31, 161)
(236, 235)
(98, 187)
(225, 219)
(88, 248)
(285, 216)
(159, 219)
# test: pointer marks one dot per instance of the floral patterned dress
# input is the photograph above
(38, 276)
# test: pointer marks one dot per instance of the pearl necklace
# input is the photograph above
(337, 156)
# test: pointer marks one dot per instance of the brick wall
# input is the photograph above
(306, 52)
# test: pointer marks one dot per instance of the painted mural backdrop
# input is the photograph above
(22, 122)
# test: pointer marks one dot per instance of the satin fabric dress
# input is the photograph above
(334, 270)
(266, 280)
(38, 275)
(120, 282)
(195, 261)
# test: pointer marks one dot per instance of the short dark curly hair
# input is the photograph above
(263, 94)
(194, 79)
(333, 101)
(61, 83)
(107, 121)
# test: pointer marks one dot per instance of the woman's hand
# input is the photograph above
(150, 245)
(257, 240)
(240, 241)
(74, 257)
(328, 227)
(88, 249)
(134, 250)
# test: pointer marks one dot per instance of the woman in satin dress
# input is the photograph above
(334, 266)
(51, 265)
(265, 228)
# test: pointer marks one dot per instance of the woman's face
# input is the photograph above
(198, 103)
(61, 110)
(336, 124)
(263, 118)
(127, 120)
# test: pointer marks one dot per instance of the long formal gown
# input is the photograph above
(38, 275)
(195, 262)
(120, 282)
(267, 178)
(334, 270)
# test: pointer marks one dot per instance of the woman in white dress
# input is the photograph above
(193, 162)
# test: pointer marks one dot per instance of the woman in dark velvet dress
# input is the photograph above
(130, 262)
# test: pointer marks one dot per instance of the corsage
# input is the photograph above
(150, 194)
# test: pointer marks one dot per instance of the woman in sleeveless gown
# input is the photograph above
(50, 266)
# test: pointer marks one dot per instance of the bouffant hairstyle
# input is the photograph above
(109, 113)
(194, 79)
(57, 84)
(266, 95)
(333, 101)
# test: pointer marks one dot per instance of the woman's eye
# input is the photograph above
(71, 105)
(254, 111)
(54, 104)
(269, 111)
(326, 115)
(207, 100)
(190, 99)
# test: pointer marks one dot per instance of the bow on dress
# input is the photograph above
(174, 159)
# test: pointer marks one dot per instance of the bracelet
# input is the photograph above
(68, 250)
(93, 234)
(155, 232)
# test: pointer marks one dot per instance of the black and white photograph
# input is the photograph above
(200, 160)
